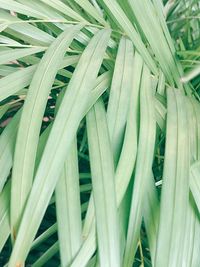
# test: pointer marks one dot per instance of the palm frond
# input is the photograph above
(99, 133)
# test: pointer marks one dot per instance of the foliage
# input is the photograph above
(100, 133)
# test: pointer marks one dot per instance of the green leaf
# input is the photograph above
(47, 255)
(124, 168)
(143, 165)
(159, 38)
(102, 168)
(191, 74)
(192, 227)
(44, 236)
(12, 83)
(175, 188)
(13, 54)
(87, 249)
(3, 26)
(129, 149)
(7, 143)
(161, 84)
(119, 99)
(4, 215)
(194, 182)
(91, 10)
(61, 7)
(23, 9)
(128, 28)
(4, 109)
(160, 114)
(68, 209)
(30, 123)
(161, 46)
(24, 31)
(191, 243)
(71, 110)
(151, 214)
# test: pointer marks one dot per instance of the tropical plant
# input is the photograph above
(100, 133)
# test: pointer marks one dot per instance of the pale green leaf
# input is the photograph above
(102, 168)
(7, 143)
(118, 104)
(68, 208)
(128, 28)
(71, 110)
(88, 7)
(175, 187)
(195, 182)
(25, 31)
(61, 7)
(143, 167)
(12, 83)
(30, 123)
(17, 7)
(4, 215)
(13, 54)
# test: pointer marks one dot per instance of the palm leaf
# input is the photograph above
(30, 123)
(102, 168)
(99, 133)
(175, 183)
(98, 45)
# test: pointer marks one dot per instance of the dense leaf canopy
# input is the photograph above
(99, 133)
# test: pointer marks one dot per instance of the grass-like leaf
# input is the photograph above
(175, 190)
(99, 133)
(102, 167)
(51, 164)
(30, 122)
